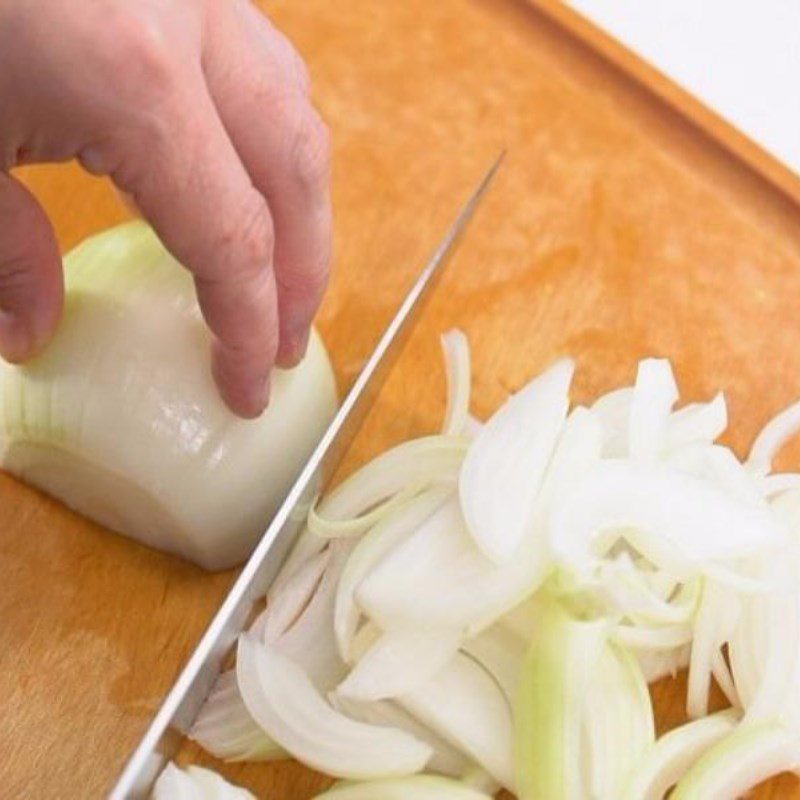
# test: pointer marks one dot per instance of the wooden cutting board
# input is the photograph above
(615, 230)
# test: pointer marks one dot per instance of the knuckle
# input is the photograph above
(311, 152)
(136, 52)
(251, 235)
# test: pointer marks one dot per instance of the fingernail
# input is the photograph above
(258, 399)
(15, 337)
(295, 350)
(264, 392)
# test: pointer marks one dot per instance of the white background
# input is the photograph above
(740, 57)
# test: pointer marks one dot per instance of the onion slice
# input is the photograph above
(400, 662)
(416, 463)
(774, 435)
(438, 578)
(445, 760)
(654, 395)
(284, 702)
(675, 752)
(549, 708)
(286, 605)
(677, 521)
(506, 463)
(741, 760)
(697, 422)
(418, 787)
(455, 347)
(369, 551)
(195, 783)
(464, 705)
(225, 728)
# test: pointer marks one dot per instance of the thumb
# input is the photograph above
(31, 283)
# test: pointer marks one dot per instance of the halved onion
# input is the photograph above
(120, 419)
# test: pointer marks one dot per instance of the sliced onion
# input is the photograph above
(305, 547)
(195, 783)
(654, 395)
(284, 702)
(778, 484)
(614, 410)
(382, 539)
(225, 728)
(716, 619)
(457, 369)
(418, 787)
(774, 435)
(288, 604)
(677, 521)
(720, 466)
(697, 423)
(740, 761)
(464, 705)
(668, 637)
(506, 463)
(438, 578)
(550, 704)
(658, 664)
(502, 654)
(617, 722)
(445, 760)
(637, 595)
(417, 463)
(311, 642)
(722, 675)
(478, 778)
(674, 753)
(400, 662)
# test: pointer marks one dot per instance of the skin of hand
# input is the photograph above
(200, 111)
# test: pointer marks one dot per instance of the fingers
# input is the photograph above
(31, 283)
(187, 179)
(260, 86)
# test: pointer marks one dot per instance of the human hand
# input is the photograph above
(199, 110)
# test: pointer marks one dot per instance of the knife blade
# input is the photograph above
(175, 717)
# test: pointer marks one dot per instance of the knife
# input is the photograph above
(176, 715)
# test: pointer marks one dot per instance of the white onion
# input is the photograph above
(654, 394)
(284, 702)
(580, 556)
(399, 662)
(455, 347)
(419, 787)
(676, 520)
(195, 783)
(120, 419)
(465, 706)
(506, 463)
(675, 752)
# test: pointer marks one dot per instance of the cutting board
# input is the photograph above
(615, 230)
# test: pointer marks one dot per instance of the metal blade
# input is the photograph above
(183, 703)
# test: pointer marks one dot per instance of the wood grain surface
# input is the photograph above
(615, 230)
